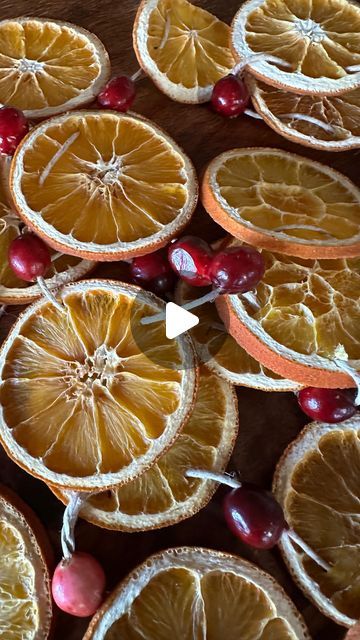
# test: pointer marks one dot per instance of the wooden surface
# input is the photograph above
(267, 421)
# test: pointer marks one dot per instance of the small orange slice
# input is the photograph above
(193, 593)
(49, 66)
(308, 321)
(25, 594)
(317, 43)
(222, 354)
(330, 123)
(183, 48)
(163, 496)
(102, 185)
(316, 482)
(90, 398)
(283, 202)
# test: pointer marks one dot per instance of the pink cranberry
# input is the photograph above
(78, 585)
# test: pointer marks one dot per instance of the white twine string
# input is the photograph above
(2, 309)
(208, 297)
(70, 517)
(137, 75)
(306, 118)
(253, 114)
(232, 482)
(48, 294)
(353, 68)
(344, 366)
(258, 57)
(64, 147)
(251, 298)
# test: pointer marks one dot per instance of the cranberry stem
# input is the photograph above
(71, 514)
(208, 297)
(223, 478)
(48, 294)
(290, 533)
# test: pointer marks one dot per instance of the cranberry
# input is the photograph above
(13, 127)
(118, 94)
(191, 257)
(230, 96)
(327, 405)
(254, 515)
(154, 272)
(237, 269)
(29, 257)
(78, 585)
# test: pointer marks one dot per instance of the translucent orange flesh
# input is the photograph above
(180, 604)
(317, 38)
(43, 64)
(342, 112)
(323, 506)
(79, 393)
(118, 181)
(164, 487)
(279, 193)
(188, 44)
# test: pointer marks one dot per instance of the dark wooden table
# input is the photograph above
(268, 422)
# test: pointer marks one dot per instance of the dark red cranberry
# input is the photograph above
(191, 257)
(327, 405)
(118, 94)
(154, 272)
(29, 257)
(237, 269)
(13, 127)
(230, 96)
(254, 515)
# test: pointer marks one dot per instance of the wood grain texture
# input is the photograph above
(268, 422)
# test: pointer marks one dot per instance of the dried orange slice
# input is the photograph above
(192, 593)
(284, 202)
(222, 354)
(183, 48)
(49, 66)
(330, 123)
(163, 495)
(90, 398)
(102, 185)
(317, 43)
(25, 595)
(316, 482)
(307, 325)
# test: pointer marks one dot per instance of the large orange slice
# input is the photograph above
(49, 66)
(193, 593)
(25, 595)
(284, 202)
(222, 354)
(102, 185)
(183, 48)
(90, 398)
(163, 495)
(316, 482)
(330, 123)
(307, 325)
(317, 43)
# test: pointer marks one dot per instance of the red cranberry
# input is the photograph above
(13, 127)
(191, 257)
(29, 257)
(230, 96)
(118, 94)
(78, 585)
(154, 272)
(237, 269)
(254, 515)
(327, 405)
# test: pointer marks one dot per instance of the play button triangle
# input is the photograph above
(178, 320)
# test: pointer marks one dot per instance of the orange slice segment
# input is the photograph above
(316, 482)
(49, 66)
(193, 593)
(163, 495)
(25, 595)
(85, 404)
(284, 202)
(317, 43)
(102, 185)
(183, 48)
(308, 321)
(222, 354)
(330, 123)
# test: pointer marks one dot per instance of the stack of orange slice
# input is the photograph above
(303, 60)
(306, 328)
